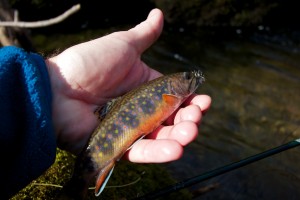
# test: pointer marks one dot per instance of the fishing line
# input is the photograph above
(124, 185)
(219, 171)
(92, 188)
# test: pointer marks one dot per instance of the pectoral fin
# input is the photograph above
(103, 178)
(170, 99)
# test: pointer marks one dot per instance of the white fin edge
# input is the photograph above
(105, 182)
(136, 141)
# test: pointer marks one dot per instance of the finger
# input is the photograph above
(183, 132)
(189, 113)
(145, 33)
(154, 151)
(192, 109)
(203, 101)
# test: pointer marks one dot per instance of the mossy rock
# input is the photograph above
(128, 181)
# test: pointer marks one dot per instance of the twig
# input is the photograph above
(42, 23)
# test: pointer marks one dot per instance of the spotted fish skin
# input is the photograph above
(131, 117)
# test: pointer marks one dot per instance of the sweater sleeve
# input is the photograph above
(27, 139)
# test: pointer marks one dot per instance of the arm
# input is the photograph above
(27, 139)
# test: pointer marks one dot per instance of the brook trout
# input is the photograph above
(128, 119)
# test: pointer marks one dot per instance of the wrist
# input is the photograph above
(54, 82)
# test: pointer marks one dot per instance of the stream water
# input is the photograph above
(254, 82)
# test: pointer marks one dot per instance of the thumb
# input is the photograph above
(147, 32)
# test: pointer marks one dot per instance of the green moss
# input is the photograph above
(131, 179)
(57, 174)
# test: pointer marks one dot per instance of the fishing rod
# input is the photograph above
(219, 171)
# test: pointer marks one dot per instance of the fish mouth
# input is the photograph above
(197, 79)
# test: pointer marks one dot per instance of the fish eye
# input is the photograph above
(187, 75)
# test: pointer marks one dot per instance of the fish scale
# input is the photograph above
(128, 119)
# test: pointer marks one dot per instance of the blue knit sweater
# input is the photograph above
(27, 139)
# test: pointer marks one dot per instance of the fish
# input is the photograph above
(124, 121)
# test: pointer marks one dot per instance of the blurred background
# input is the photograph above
(249, 52)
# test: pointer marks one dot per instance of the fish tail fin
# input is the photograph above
(103, 178)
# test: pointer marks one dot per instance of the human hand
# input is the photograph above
(87, 75)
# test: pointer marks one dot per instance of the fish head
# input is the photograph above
(187, 82)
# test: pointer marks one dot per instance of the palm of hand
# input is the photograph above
(89, 78)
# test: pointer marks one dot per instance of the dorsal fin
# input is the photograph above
(103, 178)
(101, 111)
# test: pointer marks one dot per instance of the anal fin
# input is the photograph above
(136, 142)
(103, 178)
